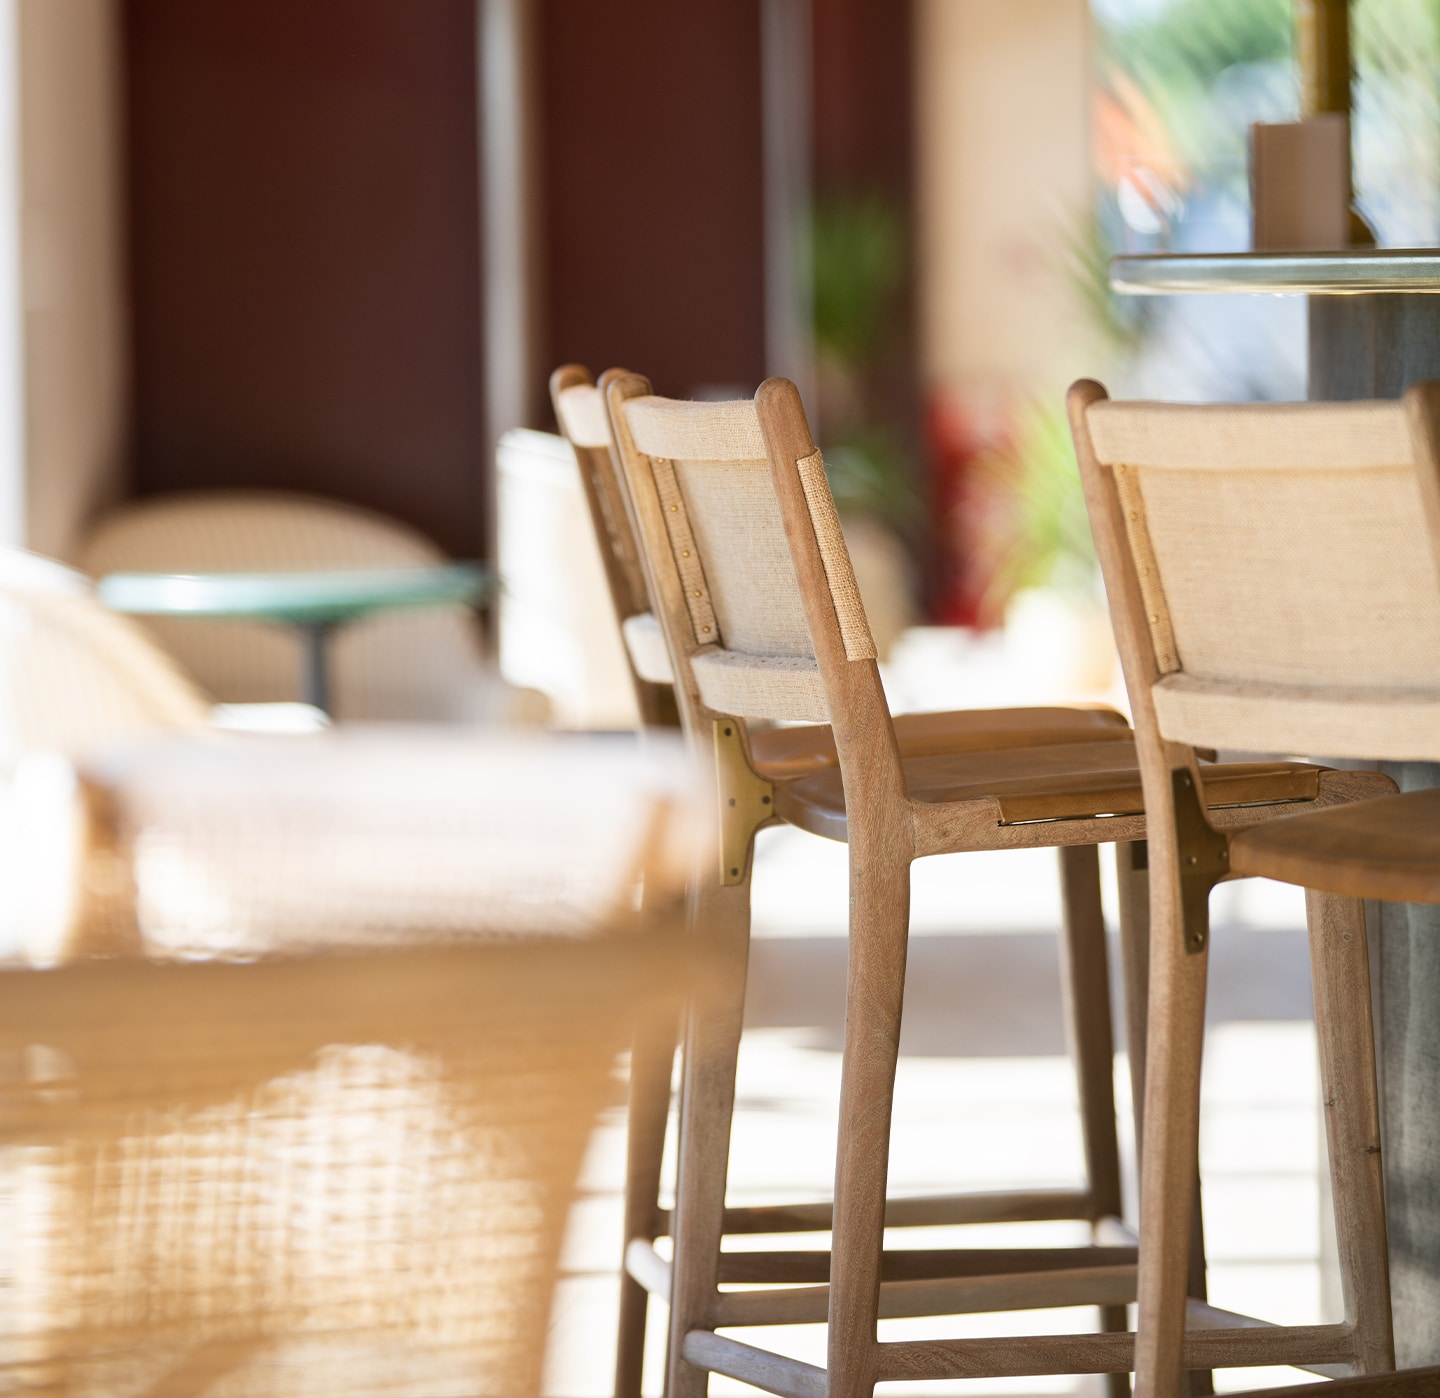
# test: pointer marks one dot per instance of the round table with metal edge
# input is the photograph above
(312, 604)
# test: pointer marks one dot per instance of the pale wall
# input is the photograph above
(1004, 92)
(73, 261)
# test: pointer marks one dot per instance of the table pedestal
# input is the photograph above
(1375, 346)
(1372, 346)
(315, 672)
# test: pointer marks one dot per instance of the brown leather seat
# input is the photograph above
(1388, 848)
(1063, 781)
(782, 754)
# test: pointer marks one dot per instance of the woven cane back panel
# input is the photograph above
(1290, 587)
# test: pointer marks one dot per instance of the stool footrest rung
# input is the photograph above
(807, 1305)
(932, 1211)
(1025, 1356)
(920, 1264)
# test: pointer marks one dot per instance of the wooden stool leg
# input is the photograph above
(1132, 877)
(1200, 1383)
(707, 1103)
(1132, 880)
(1171, 1140)
(879, 928)
(652, 1061)
(1341, 970)
(1085, 978)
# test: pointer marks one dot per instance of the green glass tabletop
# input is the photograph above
(321, 598)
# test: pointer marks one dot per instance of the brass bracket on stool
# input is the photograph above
(1204, 859)
(746, 801)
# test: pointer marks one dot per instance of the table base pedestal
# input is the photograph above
(1376, 346)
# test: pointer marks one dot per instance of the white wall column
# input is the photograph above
(72, 345)
(509, 226)
(1005, 89)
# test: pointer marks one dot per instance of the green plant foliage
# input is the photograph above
(1396, 47)
(858, 249)
(1178, 52)
(858, 255)
(1122, 324)
(1045, 541)
(1175, 57)
(868, 475)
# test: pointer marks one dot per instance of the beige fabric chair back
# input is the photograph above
(701, 482)
(580, 410)
(421, 665)
(1277, 566)
(556, 629)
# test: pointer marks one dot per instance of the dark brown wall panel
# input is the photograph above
(305, 244)
(653, 182)
(864, 94)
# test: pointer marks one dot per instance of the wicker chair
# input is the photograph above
(326, 1144)
(76, 674)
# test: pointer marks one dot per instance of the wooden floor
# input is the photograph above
(985, 1099)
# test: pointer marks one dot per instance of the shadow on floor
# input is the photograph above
(998, 996)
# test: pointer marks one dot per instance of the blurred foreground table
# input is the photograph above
(1374, 329)
(300, 1105)
(235, 844)
(312, 604)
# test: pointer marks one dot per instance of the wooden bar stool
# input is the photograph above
(1272, 571)
(780, 754)
(757, 601)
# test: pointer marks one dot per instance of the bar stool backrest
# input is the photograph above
(1272, 569)
(748, 567)
(580, 411)
(701, 479)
